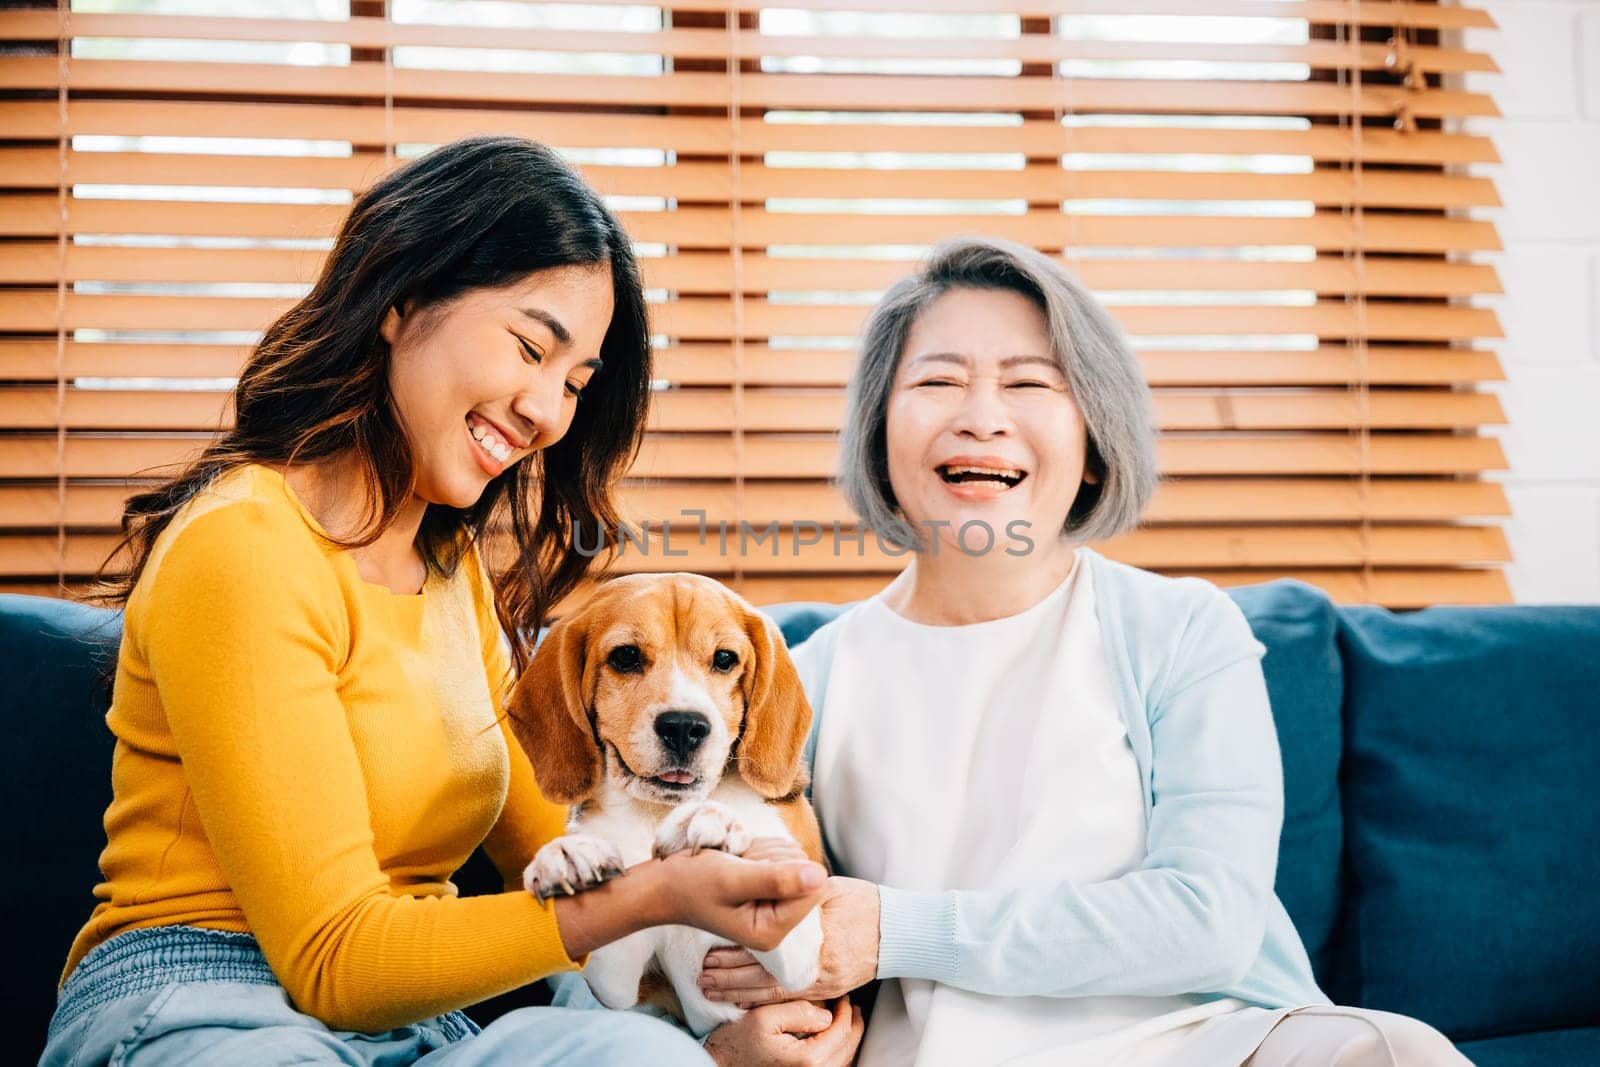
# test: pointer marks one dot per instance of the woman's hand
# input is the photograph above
(775, 848)
(792, 1034)
(752, 900)
(849, 953)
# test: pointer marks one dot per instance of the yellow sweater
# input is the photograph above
(308, 757)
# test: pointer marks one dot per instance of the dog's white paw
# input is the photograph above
(570, 865)
(798, 957)
(701, 824)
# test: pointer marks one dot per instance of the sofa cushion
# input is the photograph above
(1545, 1048)
(57, 766)
(1472, 742)
(1305, 681)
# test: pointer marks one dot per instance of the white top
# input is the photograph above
(988, 756)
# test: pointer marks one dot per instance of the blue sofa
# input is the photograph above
(1441, 844)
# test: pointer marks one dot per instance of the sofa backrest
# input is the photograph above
(1472, 814)
(1305, 682)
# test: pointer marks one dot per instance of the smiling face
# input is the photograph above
(490, 377)
(981, 424)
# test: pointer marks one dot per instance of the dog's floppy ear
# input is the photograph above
(550, 718)
(777, 715)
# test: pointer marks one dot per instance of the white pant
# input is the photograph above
(1312, 1036)
(1354, 1037)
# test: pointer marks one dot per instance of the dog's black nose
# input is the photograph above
(682, 731)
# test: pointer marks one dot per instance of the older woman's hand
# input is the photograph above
(795, 1034)
(849, 953)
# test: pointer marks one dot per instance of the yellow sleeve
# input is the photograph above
(244, 632)
(526, 824)
(528, 820)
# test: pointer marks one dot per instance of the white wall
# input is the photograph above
(1549, 181)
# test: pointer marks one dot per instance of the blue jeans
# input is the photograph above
(183, 995)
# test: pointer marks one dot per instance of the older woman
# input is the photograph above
(1053, 777)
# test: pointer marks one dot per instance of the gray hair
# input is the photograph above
(1090, 347)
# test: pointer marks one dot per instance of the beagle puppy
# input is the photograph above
(668, 713)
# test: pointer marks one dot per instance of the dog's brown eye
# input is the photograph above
(626, 658)
(724, 660)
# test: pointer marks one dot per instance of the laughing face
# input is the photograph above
(494, 375)
(981, 423)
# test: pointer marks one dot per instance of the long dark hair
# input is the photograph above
(478, 213)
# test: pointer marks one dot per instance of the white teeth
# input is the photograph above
(490, 442)
(985, 471)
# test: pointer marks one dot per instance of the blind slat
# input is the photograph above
(1397, 587)
(788, 411)
(785, 456)
(698, 226)
(787, 550)
(32, 168)
(367, 32)
(1210, 500)
(709, 272)
(1395, 13)
(787, 91)
(712, 364)
(26, 311)
(705, 136)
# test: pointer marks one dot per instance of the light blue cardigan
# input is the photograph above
(1200, 914)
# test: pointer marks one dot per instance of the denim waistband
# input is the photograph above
(141, 960)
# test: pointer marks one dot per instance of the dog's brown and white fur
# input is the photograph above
(668, 713)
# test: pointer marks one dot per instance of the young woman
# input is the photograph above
(1055, 777)
(307, 701)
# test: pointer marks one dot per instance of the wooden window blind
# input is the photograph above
(1274, 198)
